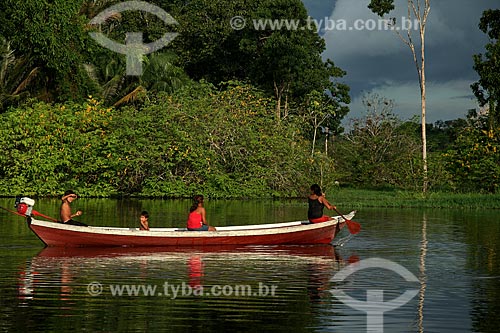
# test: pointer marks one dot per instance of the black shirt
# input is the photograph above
(315, 209)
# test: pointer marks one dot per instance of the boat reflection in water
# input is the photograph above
(68, 271)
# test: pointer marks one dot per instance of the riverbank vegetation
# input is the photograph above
(349, 198)
(228, 113)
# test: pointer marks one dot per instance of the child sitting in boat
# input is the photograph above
(144, 221)
(197, 220)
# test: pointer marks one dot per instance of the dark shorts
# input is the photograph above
(323, 218)
(202, 228)
(73, 222)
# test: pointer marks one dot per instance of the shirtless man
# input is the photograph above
(66, 216)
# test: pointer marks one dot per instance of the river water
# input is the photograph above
(450, 258)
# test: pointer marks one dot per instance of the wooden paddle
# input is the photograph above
(353, 226)
(34, 212)
(12, 211)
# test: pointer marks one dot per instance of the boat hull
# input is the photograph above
(295, 233)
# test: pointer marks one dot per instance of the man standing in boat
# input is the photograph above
(65, 212)
(317, 202)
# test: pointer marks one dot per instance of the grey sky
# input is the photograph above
(378, 61)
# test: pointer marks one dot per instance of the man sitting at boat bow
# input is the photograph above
(65, 212)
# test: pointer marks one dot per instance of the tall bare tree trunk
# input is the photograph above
(280, 90)
(285, 112)
(278, 93)
(315, 134)
(421, 14)
(423, 96)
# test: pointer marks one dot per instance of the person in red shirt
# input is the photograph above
(197, 220)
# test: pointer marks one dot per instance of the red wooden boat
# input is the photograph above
(63, 235)
(288, 233)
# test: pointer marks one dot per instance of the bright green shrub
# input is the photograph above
(219, 143)
(474, 163)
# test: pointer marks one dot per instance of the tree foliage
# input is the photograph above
(474, 161)
(380, 149)
(161, 133)
(55, 41)
(487, 89)
(69, 65)
(15, 75)
(285, 63)
(381, 7)
(220, 143)
(53, 146)
(258, 124)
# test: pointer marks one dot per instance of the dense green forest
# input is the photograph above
(223, 112)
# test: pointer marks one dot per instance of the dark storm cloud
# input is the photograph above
(378, 60)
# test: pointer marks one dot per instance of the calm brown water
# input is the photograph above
(453, 254)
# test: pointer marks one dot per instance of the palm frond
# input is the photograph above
(132, 96)
(112, 87)
(33, 73)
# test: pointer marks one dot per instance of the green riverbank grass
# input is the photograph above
(357, 198)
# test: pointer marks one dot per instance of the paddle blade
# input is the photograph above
(354, 227)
